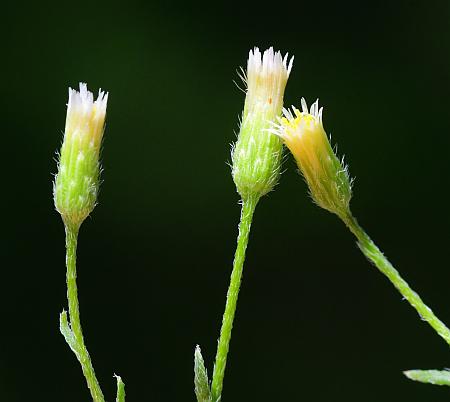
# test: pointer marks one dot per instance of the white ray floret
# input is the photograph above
(83, 101)
(269, 69)
(268, 63)
(86, 116)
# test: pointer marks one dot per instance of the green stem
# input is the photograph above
(373, 253)
(77, 340)
(248, 208)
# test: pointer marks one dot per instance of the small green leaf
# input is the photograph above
(120, 389)
(64, 328)
(201, 382)
(436, 377)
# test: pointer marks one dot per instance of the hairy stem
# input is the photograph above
(373, 253)
(76, 341)
(248, 208)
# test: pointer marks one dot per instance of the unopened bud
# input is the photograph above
(77, 181)
(257, 154)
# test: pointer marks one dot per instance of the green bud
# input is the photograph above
(257, 154)
(77, 182)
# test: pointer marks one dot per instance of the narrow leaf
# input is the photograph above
(64, 328)
(120, 389)
(437, 377)
(201, 382)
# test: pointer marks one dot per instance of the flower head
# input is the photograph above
(85, 117)
(76, 184)
(326, 176)
(266, 79)
(257, 155)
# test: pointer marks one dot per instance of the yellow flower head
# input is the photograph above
(326, 176)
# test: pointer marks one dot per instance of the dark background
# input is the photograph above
(315, 321)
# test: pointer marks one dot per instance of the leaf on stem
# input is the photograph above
(436, 377)
(120, 389)
(64, 328)
(202, 390)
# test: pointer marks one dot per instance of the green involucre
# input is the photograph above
(76, 185)
(332, 188)
(257, 154)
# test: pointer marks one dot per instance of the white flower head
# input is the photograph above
(86, 117)
(270, 63)
(77, 181)
(267, 75)
(257, 154)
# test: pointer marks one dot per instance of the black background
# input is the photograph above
(315, 321)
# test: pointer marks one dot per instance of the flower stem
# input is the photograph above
(373, 253)
(74, 334)
(248, 208)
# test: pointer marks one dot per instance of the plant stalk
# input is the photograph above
(373, 253)
(77, 340)
(247, 211)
